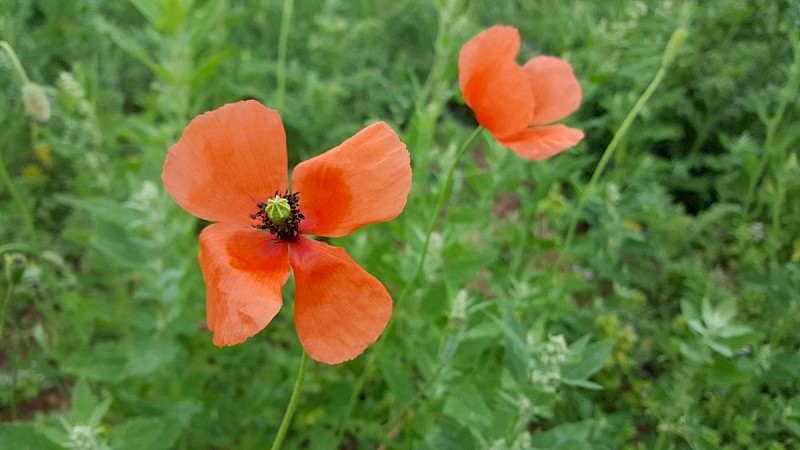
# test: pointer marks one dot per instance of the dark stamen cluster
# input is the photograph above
(286, 231)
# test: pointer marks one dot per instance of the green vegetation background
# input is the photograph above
(670, 322)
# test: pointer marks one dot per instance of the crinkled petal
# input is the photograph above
(555, 89)
(340, 309)
(244, 270)
(226, 161)
(493, 84)
(542, 142)
(364, 180)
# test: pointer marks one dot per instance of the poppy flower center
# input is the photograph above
(280, 215)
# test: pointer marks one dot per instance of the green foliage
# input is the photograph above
(670, 322)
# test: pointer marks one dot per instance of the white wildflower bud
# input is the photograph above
(499, 444)
(522, 442)
(84, 437)
(36, 103)
(757, 229)
(458, 310)
(556, 349)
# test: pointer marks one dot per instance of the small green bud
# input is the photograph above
(675, 42)
(278, 210)
(14, 266)
(36, 103)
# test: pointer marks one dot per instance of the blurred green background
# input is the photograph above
(670, 322)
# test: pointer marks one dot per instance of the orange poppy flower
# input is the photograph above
(230, 167)
(513, 102)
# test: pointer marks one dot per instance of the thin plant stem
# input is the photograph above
(283, 41)
(787, 95)
(440, 57)
(15, 61)
(437, 210)
(11, 356)
(27, 218)
(397, 417)
(675, 42)
(6, 179)
(6, 302)
(287, 417)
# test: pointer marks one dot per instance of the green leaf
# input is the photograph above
(101, 208)
(140, 434)
(83, 402)
(793, 426)
(724, 372)
(467, 407)
(148, 355)
(134, 49)
(582, 383)
(106, 362)
(567, 436)
(692, 319)
(398, 377)
(99, 412)
(24, 436)
(589, 362)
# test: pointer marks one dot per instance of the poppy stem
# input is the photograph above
(674, 44)
(287, 417)
(437, 210)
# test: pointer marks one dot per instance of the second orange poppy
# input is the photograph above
(516, 103)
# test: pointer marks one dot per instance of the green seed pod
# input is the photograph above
(14, 266)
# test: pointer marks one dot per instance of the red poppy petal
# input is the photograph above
(364, 180)
(244, 270)
(339, 308)
(226, 161)
(554, 87)
(542, 142)
(493, 84)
